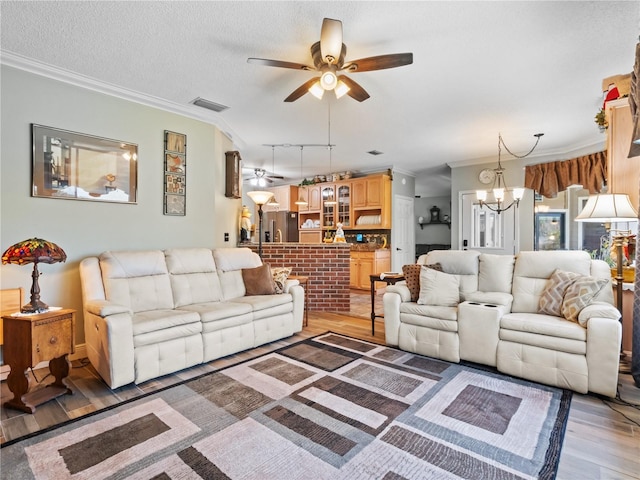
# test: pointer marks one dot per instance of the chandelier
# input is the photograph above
(499, 187)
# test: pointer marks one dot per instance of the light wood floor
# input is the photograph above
(602, 440)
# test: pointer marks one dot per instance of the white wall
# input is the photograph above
(435, 234)
(85, 228)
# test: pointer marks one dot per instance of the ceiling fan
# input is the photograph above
(329, 58)
(260, 177)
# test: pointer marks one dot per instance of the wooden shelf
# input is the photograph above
(422, 225)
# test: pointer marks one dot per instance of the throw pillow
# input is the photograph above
(579, 294)
(411, 275)
(280, 275)
(438, 288)
(551, 299)
(258, 281)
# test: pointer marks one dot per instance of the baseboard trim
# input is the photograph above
(79, 353)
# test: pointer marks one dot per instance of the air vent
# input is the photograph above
(374, 152)
(208, 104)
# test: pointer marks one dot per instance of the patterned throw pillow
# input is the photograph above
(280, 275)
(411, 275)
(551, 300)
(579, 294)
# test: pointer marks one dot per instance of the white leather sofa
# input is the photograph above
(496, 320)
(150, 313)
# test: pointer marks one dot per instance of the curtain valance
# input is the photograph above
(548, 179)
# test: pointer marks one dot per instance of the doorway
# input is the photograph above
(403, 233)
(485, 230)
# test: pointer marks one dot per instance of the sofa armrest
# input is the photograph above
(604, 337)
(401, 289)
(109, 343)
(290, 283)
(104, 308)
(600, 310)
(391, 301)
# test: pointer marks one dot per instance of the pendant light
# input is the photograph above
(331, 199)
(272, 201)
(499, 187)
(301, 201)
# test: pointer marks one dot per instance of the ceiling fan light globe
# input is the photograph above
(328, 80)
(316, 90)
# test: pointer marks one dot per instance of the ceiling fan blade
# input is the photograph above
(355, 91)
(301, 90)
(275, 177)
(379, 63)
(331, 40)
(279, 63)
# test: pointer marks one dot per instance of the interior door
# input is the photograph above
(403, 233)
(485, 230)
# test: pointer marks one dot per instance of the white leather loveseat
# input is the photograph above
(487, 309)
(150, 313)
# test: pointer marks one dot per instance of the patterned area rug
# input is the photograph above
(330, 407)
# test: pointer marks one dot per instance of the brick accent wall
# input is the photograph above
(326, 265)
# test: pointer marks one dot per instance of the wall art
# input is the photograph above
(77, 166)
(175, 173)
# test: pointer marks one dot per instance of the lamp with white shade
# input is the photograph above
(611, 208)
(260, 197)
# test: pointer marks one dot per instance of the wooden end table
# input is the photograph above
(31, 339)
(389, 279)
(304, 281)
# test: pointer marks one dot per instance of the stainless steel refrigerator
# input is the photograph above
(280, 226)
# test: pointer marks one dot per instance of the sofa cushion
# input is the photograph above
(438, 288)
(533, 269)
(193, 276)
(228, 259)
(155, 320)
(495, 273)
(411, 275)
(433, 311)
(214, 311)
(138, 280)
(280, 275)
(553, 294)
(462, 263)
(580, 294)
(258, 280)
(540, 324)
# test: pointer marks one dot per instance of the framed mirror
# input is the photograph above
(71, 165)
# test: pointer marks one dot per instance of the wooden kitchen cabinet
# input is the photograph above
(312, 195)
(623, 173)
(366, 263)
(286, 196)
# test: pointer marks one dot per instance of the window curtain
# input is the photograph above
(634, 104)
(548, 179)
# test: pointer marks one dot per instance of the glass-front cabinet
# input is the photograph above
(329, 206)
(344, 204)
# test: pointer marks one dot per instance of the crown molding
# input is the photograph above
(52, 72)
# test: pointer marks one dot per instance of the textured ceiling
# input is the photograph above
(479, 68)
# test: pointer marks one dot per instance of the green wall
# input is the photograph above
(86, 228)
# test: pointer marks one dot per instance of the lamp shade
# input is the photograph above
(33, 250)
(608, 208)
(260, 197)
